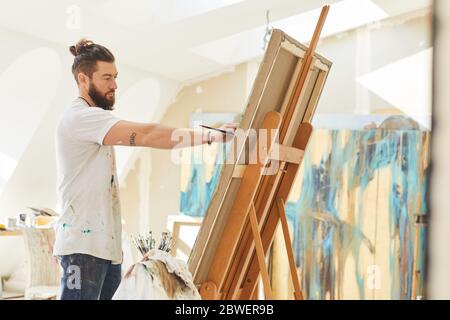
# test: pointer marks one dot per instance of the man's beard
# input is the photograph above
(100, 100)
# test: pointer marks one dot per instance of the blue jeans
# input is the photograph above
(87, 277)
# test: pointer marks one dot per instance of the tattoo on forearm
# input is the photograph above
(132, 141)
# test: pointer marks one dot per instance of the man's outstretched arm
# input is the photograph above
(127, 133)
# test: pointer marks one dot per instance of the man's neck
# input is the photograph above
(87, 98)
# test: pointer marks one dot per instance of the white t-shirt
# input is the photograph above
(88, 198)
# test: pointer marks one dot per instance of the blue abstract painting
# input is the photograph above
(353, 211)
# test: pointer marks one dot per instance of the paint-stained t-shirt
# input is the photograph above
(90, 221)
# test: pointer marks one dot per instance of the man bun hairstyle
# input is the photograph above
(87, 53)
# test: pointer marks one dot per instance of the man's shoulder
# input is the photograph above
(69, 114)
(75, 109)
(72, 106)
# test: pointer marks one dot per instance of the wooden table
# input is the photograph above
(10, 233)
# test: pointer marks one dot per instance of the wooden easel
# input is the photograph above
(259, 204)
(251, 178)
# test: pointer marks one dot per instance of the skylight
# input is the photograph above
(146, 13)
(344, 15)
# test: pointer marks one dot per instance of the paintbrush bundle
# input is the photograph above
(146, 243)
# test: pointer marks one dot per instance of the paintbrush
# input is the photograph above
(217, 129)
(135, 241)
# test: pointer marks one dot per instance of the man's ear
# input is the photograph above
(83, 79)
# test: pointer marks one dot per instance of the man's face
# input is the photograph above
(102, 85)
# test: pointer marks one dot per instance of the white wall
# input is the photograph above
(361, 51)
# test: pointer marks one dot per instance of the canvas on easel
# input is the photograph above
(239, 225)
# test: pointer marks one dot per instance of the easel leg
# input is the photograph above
(255, 294)
(287, 239)
(260, 252)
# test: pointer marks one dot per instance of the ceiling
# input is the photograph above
(188, 39)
